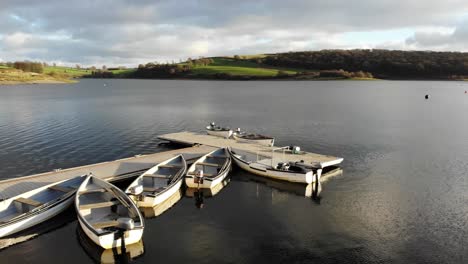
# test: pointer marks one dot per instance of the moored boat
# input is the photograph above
(107, 215)
(157, 184)
(253, 138)
(265, 166)
(218, 131)
(36, 206)
(209, 170)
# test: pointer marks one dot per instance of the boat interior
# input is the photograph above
(11, 209)
(157, 180)
(101, 205)
(253, 136)
(266, 162)
(212, 164)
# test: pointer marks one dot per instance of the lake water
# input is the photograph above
(402, 197)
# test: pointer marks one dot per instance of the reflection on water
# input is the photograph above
(312, 190)
(403, 198)
(200, 193)
(114, 255)
(150, 212)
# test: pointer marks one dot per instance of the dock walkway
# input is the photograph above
(111, 170)
(190, 138)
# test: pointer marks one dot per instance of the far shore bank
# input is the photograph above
(31, 82)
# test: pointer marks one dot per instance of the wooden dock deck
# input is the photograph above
(111, 170)
(190, 138)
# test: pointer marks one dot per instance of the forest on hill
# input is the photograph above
(384, 64)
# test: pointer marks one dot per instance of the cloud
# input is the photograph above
(131, 32)
(441, 40)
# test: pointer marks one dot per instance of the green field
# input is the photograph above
(72, 72)
(238, 67)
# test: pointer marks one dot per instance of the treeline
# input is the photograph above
(380, 63)
(26, 66)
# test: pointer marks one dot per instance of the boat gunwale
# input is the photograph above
(42, 208)
(182, 172)
(106, 232)
(226, 165)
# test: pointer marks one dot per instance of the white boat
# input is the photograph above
(253, 138)
(157, 184)
(265, 166)
(218, 131)
(36, 206)
(106, 214)
(209, 170)
(112, 255)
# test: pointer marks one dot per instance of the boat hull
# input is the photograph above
(107, 241)
(224, 134)
(265, 142)
(150, 201)
(36, 219)
(306, 178)
(207, 183)
(107, 238)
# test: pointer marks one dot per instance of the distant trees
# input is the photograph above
(28, 66)
(200, 61)
(155, 70)
(380, 63)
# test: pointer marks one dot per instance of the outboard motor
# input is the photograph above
(136, 190)
(198, 178)
(125, 223)
(295, 149)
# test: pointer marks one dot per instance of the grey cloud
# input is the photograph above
(125, 31)
(454, 41)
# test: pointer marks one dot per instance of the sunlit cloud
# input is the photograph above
(124, 32)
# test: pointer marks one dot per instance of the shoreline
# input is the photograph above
(32, 82)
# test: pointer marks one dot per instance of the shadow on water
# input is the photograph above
(200, 193)
(114, 255)
(312, 190)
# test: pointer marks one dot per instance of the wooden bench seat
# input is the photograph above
(104, 224)
(29, 201)
(169, 166)
(98, 205)
(209, 164)
(153, 189)
(217, 157)
(99, 190)
(61, 188)
(157, 176)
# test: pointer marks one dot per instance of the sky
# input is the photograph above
(129, 32)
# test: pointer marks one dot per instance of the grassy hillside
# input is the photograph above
(14, 76)
(71, 72)
(238, 67)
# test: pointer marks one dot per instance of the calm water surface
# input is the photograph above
(403, 196)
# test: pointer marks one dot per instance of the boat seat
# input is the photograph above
(98, 205)
(104, 224)
(217, 157)
(209, 164)
(157, 176)
(208, 175)
(169, 166)
(61, 188)
(153, 189)
(29, 202)
(93, 191)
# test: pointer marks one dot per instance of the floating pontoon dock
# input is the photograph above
(192, 139)
(130, 167)
(111, 170)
